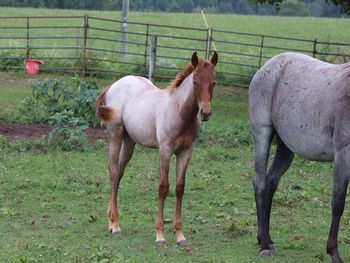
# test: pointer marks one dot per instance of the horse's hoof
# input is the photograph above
(266, 253)
(160, 242)
(273, 248)
(182, 242)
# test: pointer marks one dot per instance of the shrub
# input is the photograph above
(67, 105)
(51, 96)
(68, 131)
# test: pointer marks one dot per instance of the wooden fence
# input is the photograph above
(91, 45)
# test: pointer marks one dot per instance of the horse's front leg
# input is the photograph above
(114, 176)
(182, 160)
(340, 184)
(165, 154)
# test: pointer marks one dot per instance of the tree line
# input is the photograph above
(327, 8)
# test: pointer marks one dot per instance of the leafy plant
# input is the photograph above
(51, 96)
(67, 105)
(68, 133)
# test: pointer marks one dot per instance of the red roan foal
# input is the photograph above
(136, 111)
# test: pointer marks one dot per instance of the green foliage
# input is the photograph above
(68, 131)
(222, 6)
(293, 8)
(51, 96)
(67, 105)
(344, 4)
(10, 60)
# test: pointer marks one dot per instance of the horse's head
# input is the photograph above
(203, 83)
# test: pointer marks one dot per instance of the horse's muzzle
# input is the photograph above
(205, 114)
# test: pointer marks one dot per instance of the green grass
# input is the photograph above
(53, 204)
(322, 29)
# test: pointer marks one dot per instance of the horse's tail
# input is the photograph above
(104, 112)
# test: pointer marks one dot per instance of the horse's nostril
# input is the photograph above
(206, 113)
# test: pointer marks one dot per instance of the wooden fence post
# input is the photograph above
(261, 50)
(208, 43)
(152, 59)
(314, 49)
(86, 26)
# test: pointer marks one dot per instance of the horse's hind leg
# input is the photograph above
(127, 150)
(282, 161)
(182, 160)
(340, 184)
(262, 135)
(116, 133)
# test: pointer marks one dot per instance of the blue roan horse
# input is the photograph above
(305, 104)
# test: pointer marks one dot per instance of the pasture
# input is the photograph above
(63, 44)
(53, 203)
(321, 28)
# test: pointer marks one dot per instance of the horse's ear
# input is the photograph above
(194, 59)
(214, 58)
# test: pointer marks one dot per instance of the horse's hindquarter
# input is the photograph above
(135, 101)
(298, 96)
(306, 125)
(304, 108)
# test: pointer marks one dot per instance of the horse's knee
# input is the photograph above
(180, 189)
(163, 190)
(259, 184)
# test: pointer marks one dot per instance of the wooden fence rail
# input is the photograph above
(91, 46)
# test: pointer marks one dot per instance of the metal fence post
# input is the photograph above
(208, 43)
(86, 26)
(261, 50)
(146, 45)
(124, 28)
(314, 49)
(27, 50)
(152, 59)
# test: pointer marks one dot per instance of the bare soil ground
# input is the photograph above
(31, 131)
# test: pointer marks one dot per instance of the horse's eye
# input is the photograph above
(195, 82)
(214, 83)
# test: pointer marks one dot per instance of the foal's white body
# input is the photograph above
(148, 113)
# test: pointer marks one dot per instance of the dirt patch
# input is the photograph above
(32, 131)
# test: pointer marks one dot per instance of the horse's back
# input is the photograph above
(129, 86)
(297, 95)
(127, 90)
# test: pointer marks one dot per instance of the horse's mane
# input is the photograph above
(181, 77)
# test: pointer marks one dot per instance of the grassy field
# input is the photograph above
(228, 45)
(53, 203)
(321, 28)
